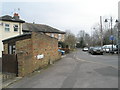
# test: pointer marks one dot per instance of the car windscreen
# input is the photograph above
(97, 48)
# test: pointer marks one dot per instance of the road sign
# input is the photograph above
(111, 37)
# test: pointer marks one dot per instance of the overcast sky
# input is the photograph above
(64, 15)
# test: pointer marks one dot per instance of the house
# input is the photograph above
(9, 27)
(50, 31)
(13, 26)
(28, 52)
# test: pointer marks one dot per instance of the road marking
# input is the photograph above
(97, 63)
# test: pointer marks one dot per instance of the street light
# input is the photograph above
(111, 37)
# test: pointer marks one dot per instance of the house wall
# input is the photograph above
(62, 38)
(5, 49)
(28, 49)
(7, 34)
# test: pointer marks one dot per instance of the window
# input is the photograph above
(59, 36)
(7, 27)
(11, 49)
(52, 35)
(15, 28)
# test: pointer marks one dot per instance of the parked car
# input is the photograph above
(90, 49)
(117, 50)
(108, 48)
(85, 49)
(97, 50)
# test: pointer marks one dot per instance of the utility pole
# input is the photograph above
(101, 31)
(111, 33)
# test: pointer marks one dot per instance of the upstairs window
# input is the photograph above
(7, 27)
(15, 28)
(52, 35)
(59, 36)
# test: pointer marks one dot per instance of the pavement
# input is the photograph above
(0, 64)
(75, 70)
(16, 79)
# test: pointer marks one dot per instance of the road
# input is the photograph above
(77, 70)
(108, 59)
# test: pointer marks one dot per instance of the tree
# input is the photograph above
(70, 39)
(83, 39)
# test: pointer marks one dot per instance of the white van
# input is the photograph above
(108, 48)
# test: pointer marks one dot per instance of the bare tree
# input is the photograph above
(106, 35)
(83, 39)
(70, 39)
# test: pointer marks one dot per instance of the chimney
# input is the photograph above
(16, 16)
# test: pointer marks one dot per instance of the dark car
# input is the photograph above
(97, 50)
(90, 49)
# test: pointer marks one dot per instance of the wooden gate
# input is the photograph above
(9, 63)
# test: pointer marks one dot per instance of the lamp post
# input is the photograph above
(111, 23)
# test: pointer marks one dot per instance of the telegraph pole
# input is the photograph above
(101, 30)
(111, 33)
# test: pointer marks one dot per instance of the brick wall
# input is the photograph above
(46, 45)
(28, 49)
(5, 49)
(24, 56)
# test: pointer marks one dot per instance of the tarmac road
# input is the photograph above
(77, 70)
(109, 59)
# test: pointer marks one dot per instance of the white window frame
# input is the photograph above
(12, 49)
(52, 35)
(59, 36)
(7, 27)
(14, 27)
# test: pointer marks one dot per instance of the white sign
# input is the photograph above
(40, 56)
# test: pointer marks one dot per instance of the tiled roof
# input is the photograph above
(10, 18)
(29, 27)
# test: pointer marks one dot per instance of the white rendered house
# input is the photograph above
(9, 27)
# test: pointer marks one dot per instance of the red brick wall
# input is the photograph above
(25, 57)
(28, 49)
(43, 44)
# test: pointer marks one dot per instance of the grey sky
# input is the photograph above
(71, 15)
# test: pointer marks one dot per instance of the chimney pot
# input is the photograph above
(16, 15)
